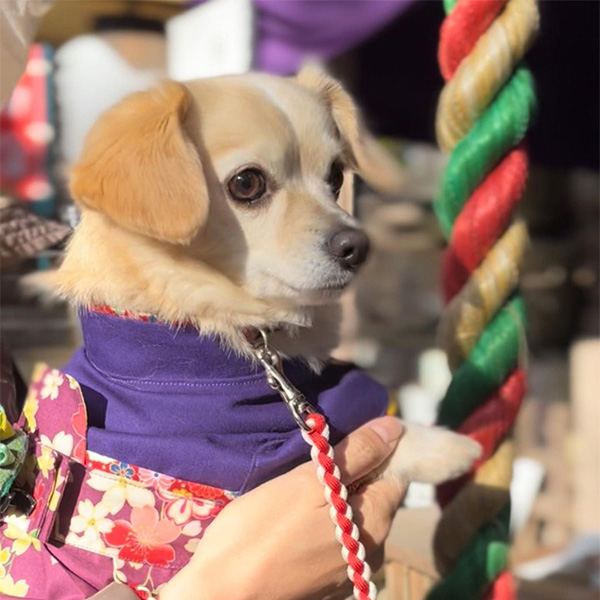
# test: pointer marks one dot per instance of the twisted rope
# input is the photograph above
(483, 115)
(484, 70)
(336, 495)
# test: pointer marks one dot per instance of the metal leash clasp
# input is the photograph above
(291, 395)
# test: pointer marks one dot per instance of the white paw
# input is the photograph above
(432, 455)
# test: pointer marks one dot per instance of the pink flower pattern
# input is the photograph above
(145, 539)
(158, 520)
(158, 481)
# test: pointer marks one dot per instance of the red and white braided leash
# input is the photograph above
(315, 432)
(340, 512)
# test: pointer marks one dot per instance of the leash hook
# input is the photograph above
(271, 362)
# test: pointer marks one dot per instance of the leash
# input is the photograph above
(315, 433)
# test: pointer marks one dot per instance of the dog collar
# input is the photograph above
(252, 334)
(105, 309)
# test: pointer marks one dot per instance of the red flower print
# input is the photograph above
(79, 424)
(139, 593)
(79, 420)
(145, 539)
(205, 492)
(38, 494)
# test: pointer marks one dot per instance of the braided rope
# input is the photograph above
(484, 70)
(483, 114)
(482, 296)
(336, 495)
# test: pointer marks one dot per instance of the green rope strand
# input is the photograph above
(482, 561)
(492, 359)
(500, 128)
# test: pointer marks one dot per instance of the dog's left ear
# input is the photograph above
(140, 169)
(373, 163)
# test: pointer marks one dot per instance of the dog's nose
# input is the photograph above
(350, 247)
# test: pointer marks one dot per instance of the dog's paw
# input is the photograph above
(448, 455)
(432, 455)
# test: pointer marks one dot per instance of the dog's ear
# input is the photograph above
(139, 168)
(373, 163)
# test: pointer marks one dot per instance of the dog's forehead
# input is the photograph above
(301, 106)
(268, 113)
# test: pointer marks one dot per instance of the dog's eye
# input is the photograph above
(335, 179)
(247, 185)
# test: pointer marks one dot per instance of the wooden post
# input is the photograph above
(410, 565)
(585, 398)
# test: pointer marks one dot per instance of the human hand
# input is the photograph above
(277, 541)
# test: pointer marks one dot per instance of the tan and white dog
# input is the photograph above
(214, 202)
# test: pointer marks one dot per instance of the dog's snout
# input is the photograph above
(350, 247)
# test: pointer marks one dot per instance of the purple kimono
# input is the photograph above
(138, 444)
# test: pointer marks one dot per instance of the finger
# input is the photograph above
(375, 508)
(367, 448)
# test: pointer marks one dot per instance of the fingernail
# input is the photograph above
(389, 429)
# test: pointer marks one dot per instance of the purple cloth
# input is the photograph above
(182, 405)
(290, 31)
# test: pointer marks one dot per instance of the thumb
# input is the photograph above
(367, 448)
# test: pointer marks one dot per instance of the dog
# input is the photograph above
(211, 210)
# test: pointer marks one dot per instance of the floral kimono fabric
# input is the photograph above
(95, 520)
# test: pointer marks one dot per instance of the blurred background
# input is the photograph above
(89, 54)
